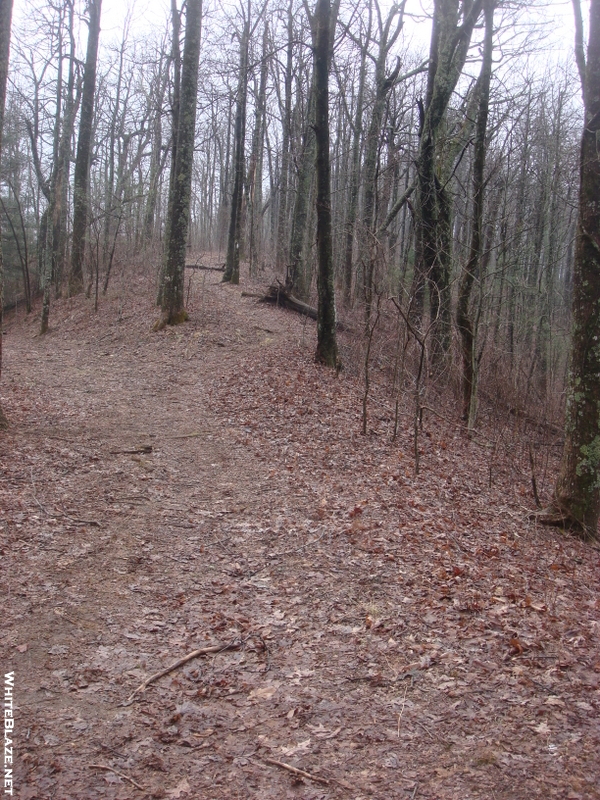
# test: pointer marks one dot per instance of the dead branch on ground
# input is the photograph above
(120, 774)
(203, 651)
(294, 770)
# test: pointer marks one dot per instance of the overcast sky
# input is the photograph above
(555, 17)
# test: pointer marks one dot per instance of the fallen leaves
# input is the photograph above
(401, 636)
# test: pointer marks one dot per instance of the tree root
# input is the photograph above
(174, 319)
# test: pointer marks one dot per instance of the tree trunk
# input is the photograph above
(82, 161)
(175, 109)
(453, 25)
(5, 21)
(286, 135)
(232, 262)
(471, 270)
(383, 85)
(63, 166)
(295, 281)
(52, 235)
(173, 311)
(255, 169)
(327, 352)
(577, 492)
(352, 206)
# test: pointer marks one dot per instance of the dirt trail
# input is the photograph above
(396, 638)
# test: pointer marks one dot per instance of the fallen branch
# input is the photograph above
(78, 521)
(203, 651)
(295, 771)
(120, 774)
(221, 268)
(146, 448)
(75, 520)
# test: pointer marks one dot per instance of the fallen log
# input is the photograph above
(279, 296)
(220, 268)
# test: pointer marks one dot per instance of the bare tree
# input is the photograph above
(357, 136)
(471, 270)
(322, 22)
(234, 240)
(173, 310)
(5, 26)
(384, 81)
(255, 167)
(84, 141)
(453, 24)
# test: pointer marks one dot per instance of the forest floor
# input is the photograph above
(392, 636)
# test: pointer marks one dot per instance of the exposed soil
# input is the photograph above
(393, 636)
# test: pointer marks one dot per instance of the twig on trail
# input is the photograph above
(296, 549)
(265, 649)
(120, 774)
(58, 513)
(458, 544)
(147, 448)
(300, 772)
(60, 613)
(203, 651)
(35, 495)
(189, 435)
(431, 735)
(78, 521)
(98, 743)
(402, 709)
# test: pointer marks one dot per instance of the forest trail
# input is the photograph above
(395, 637)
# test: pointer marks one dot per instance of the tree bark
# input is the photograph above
(453, 25)
(296, 274)
(255, 169)
(82, 161)
(234, 239)
(175, 57)
(173, 310)
(327, 352)
(383, 85)
(352, 203)
(471, 270)
(286, 135)
(577, 491)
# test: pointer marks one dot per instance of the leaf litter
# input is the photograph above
(395, 636)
